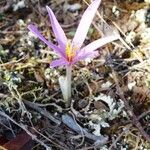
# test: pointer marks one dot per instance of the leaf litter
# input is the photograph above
(115, 110)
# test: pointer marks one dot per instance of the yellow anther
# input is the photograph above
(70, 51)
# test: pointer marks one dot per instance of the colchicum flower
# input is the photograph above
(70, 52)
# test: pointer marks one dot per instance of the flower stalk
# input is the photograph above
(68, 82)
(65, 85)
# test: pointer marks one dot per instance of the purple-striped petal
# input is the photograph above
(58, 62)
(34, 30)
(58, 31)
(85, 23)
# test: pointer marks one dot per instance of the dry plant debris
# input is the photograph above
(110, 107)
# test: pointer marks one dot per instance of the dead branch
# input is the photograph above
(41, 111)
(34, 137)
(126, 130)
(130, 112)
(72, 124)
(144, 114)
(119, 137)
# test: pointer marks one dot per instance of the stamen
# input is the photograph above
(70, 51)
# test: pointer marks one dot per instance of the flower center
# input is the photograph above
(70, 51)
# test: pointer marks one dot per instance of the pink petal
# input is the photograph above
(85, 23)
(85, 55)
(98, 43)
(34, 30)
(58, 62)
(58, 31)
(89, 50)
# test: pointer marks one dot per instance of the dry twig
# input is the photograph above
(43, 112)
(7, 6)
(72, 124)
(130, 112)
(126, 130)
(34, 137)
